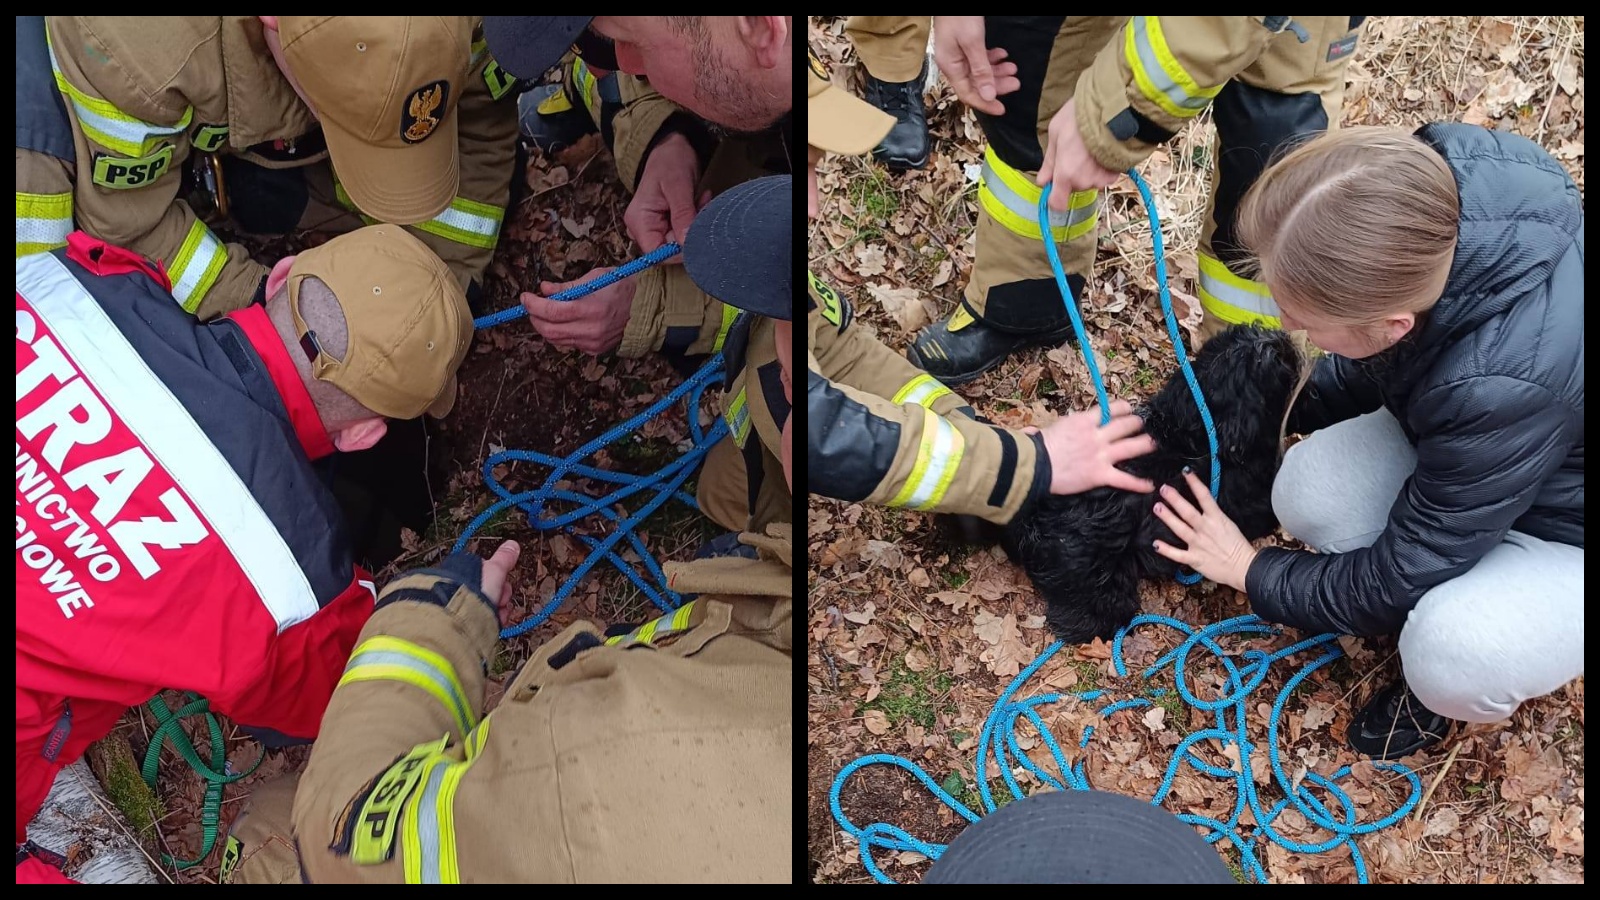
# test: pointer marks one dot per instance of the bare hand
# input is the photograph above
(1068, 164)
(593, 323)
(977, 74)
(664, 203)
(495, 571)
(1215, 547)
(1084, 454)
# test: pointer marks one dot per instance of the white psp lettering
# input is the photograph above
(73, 416)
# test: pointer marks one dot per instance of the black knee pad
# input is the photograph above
(262, 200)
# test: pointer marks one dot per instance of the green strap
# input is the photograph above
(168, 727)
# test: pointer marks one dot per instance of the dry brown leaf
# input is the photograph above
(870, 260)
(1095, 649)
(876, 721)
(1006, 652)
(917, 661)
(862, 616)
(956, 600)
(1155, 718)
(909, 309)
(1317, 715)
(1441, 822)
(1529, 775)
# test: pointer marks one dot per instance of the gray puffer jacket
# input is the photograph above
(1489, 390)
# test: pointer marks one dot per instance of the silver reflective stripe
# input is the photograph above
(941, 456)
(462, 711)
(1029, 209)
(428, 823)
(487, 226)
(1153, 70)
(1237, 297)
(48, 232)
(924, 392)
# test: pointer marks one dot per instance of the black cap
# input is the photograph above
(738, 248)
(527, 46)
(1079, 837)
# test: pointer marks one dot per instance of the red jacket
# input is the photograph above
(171, 532)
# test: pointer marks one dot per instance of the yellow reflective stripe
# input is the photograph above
(1161, 78)
(385, 658)
(1233, 298)
(43, 222)
(923, 390)
(411, 838)
(464, 221)
(729, 313)
(478, 738)
(110, 127)
(587, 87)
(938, 457)
(738, 418)
(1012, 199)
(680, 616)
(194, 270)
(467, 222)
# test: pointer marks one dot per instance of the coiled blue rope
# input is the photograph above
(666, 482)
(999, 735)
(999, 738)
(1166, 310)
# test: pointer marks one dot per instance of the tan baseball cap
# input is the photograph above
(386, 89)
(838, 121)
(407, 321)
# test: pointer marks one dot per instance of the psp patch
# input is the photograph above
(834, 307)
(816, 65)
(123, 172)
(423, 110)
(378, 822)
(230, 858)
(499, 80)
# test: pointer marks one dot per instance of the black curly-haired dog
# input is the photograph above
(1086, 552)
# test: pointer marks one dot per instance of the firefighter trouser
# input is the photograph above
(1290, 90)
(891, 47)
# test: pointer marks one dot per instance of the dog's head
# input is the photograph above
(1246, 374)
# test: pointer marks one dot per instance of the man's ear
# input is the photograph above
(278, 275)
(767, 37)
(360, 435)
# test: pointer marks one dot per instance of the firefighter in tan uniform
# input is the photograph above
(406, 109)
(882, 431)
(674, 161)
(1097, 95)
(654, 752)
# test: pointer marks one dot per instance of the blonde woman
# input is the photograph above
(1441, 481)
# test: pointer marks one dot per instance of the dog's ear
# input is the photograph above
(1245, 373)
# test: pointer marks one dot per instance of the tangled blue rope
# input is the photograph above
(665, 482)
(1000, 739)
(999, 735)
(1166, 310)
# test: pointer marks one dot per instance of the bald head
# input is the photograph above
(350, 425)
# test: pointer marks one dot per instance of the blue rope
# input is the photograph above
(666, 482)
(1336, 814)
(999, 734)
(1166, 310)
(633, 267)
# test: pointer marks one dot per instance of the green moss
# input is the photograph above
(126, 789)
(917, 697)
(955, 579)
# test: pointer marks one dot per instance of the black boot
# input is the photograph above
(1395, 723)
(906, 144)
(1017, 316)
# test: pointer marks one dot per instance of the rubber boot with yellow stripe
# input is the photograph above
(1019, 315)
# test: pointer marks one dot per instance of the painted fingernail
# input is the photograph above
(1187, 470)
(1159, 507)
(1155, 545)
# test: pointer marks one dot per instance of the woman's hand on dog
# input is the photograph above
(1214, 546)
(1084, 454)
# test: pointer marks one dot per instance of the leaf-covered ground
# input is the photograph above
(911, 639)
(516, 392)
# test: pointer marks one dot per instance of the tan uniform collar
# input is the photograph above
(262, 105)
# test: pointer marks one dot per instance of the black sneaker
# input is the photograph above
(906, 144)
(1395, 724)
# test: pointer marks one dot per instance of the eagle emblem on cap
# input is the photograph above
(419, 117)
(816, 65)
